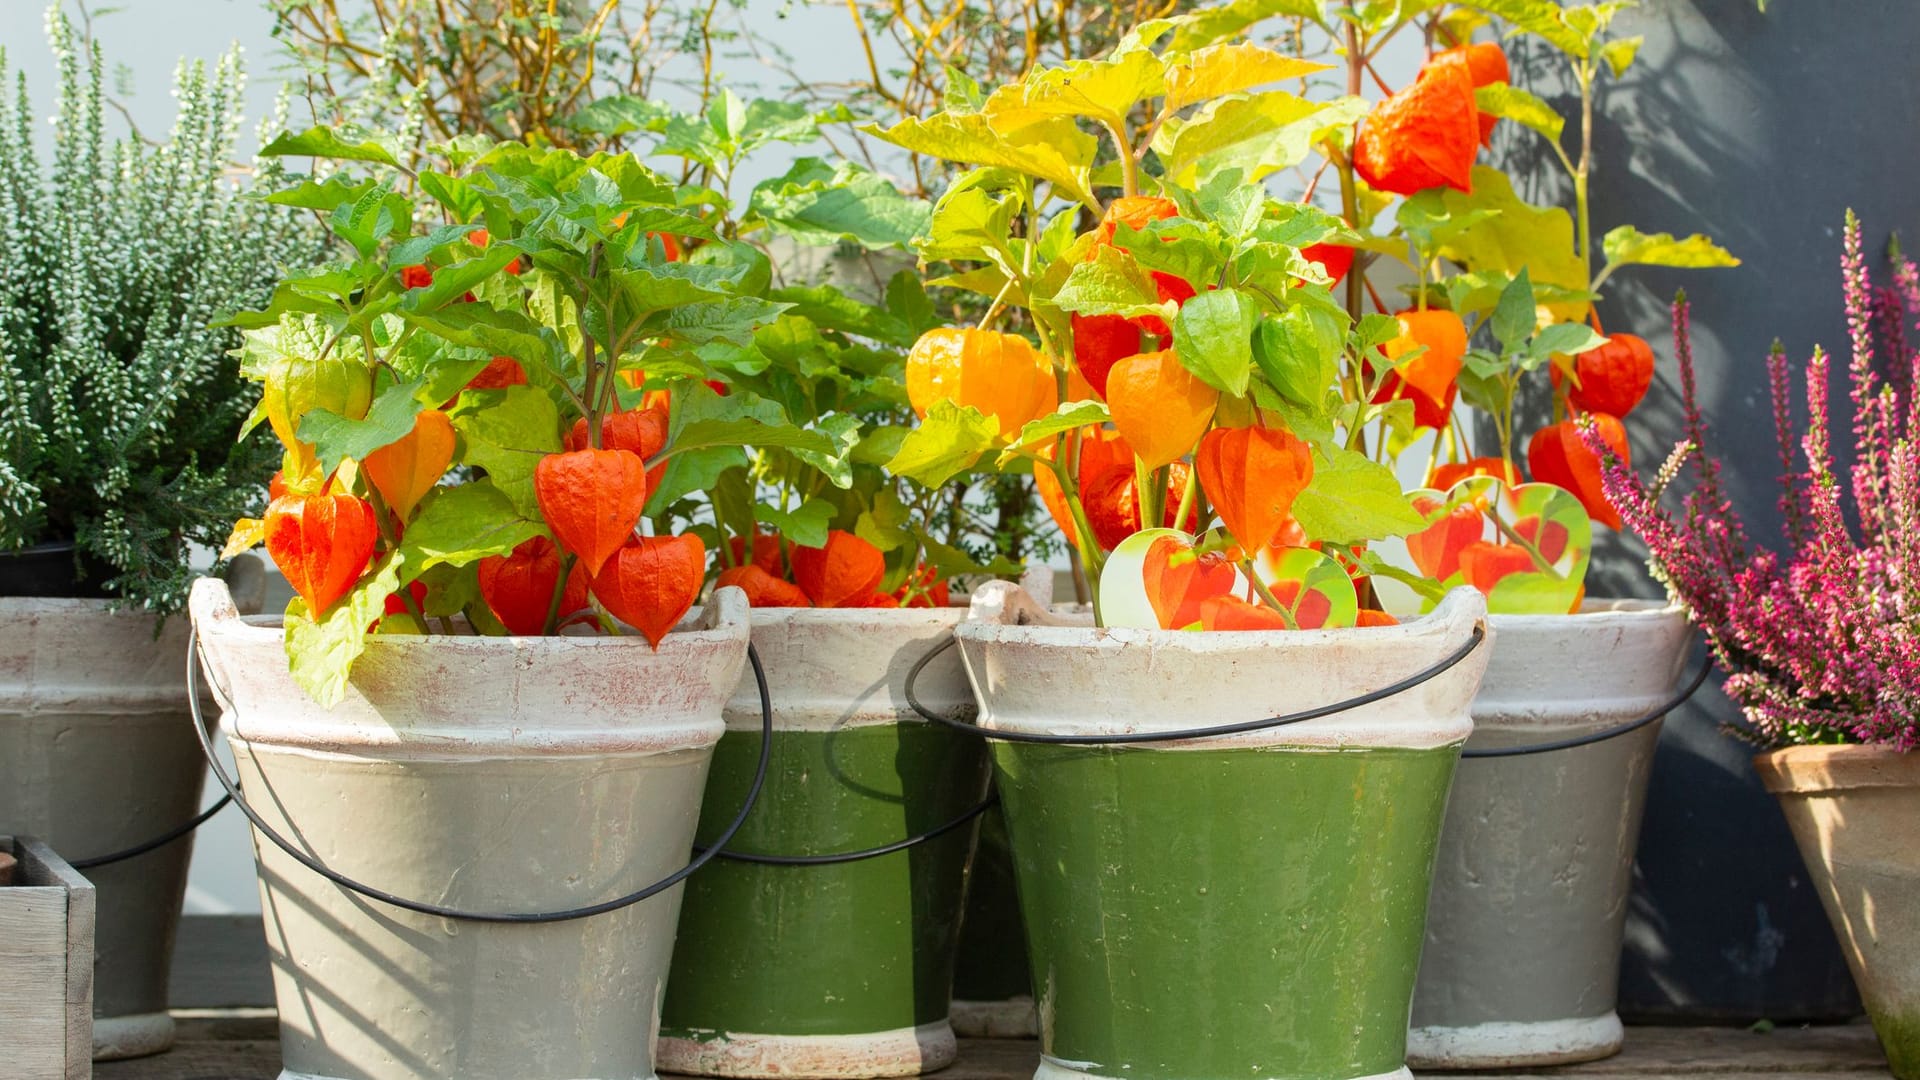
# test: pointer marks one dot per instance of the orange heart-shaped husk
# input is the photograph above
(1484, 564)
(322, 544)
(1099, 342)
(762, 588)
(766, 551)
(1002, 375)
(1251, 476)
(1233, 613)
(1613, 378)
(844, 573)
(1550, 541)
(592, 499)
(652, 581)
(404, 470)
(1178, 581)
(518, 588)
(1485, 63)
(1159, 406)
(1424, 136)
(1112, 502)
(1374, 617)
(641, 431)
(1445, 476)
(1100, 450)
(1557, 455)
(1444, 337)
(1436, 549)
(928, 590)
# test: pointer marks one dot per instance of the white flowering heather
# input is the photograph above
(119, 406)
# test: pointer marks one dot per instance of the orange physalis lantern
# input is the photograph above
(1424, 136)
(1251, 476)
(322, 543)
(652, 581)
(1558, 455)
(999, 374)
(1159, 406)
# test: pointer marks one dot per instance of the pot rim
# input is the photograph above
(1030, 673)
(1595, 612)
(1821, 768)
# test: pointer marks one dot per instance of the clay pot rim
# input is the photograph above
(1595, 614)
(1812, 770)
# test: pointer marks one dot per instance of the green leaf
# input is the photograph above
(1509, 102)
(1103, 90)
(1567, 339)
(821, 203)
(1627, 246)
(494, 331)
(1353, 499)
(414, 250)
(1542, 18)
(951, 562)
(705, 420)
(948, 442)
(694, 470)
(1213, 337)
(320, 654)
(806, 526)
(836, 466)
(464, 523)
(733, 319)
(389, 418)
(1513, 318)
(1299, 352)
(325, 196)
(508, 438)
(621, 114)
(452, 283)
(1073, 414)
(325, 142)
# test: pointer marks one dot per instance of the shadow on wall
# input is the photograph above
(1760, 130)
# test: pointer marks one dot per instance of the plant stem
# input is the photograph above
(552, 625)
(1129, 168)
(1266, 594)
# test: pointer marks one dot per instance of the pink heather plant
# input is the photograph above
(1821, 645)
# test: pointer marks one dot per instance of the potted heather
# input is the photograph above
(845, 968)
(1209, 477)
(1814, 638)
(489, 694)
(1503, 301)
(118, 417)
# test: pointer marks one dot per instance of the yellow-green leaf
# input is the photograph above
(1512, 103)
(1259, 134)
(1626, 245)
(1219, 70)
(320, 654)
(948, 442)
(1619, 54)
(248, 533)
(1053, 148)
(1518, 236)
(1070, 415)
(1102, 90)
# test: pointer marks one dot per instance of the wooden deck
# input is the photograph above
(241, 1045)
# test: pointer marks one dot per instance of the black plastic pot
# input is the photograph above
(52, 570)
(1760, 130)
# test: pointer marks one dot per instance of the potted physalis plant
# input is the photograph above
(784, 969)
(1815, 639)
(1210, 474)
(1503, 304)
(487, 694)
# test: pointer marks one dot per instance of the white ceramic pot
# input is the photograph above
(96, 756)
(1522, 955)
(481, 773)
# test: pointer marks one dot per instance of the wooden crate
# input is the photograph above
(46, 967)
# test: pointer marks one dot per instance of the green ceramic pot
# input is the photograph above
(1246, 906)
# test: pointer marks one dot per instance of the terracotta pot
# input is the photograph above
(1246, 905)
(1522, 957)
(1855, 812)
(509, 774)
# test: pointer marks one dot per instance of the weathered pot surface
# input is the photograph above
(493, 774)
(96, 755)
(1270, 884)
(1522, 957)
(1853, 811)
(833, 971)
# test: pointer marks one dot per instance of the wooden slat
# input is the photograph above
(46, 965)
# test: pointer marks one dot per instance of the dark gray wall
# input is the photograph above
(1760, 130)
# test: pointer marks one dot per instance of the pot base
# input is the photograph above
(1052, 1069)
(117, 1038)
(901, 1052)
(1505, 1045)
(289, 1074)
(1014, 1018)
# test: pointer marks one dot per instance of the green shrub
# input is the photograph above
(119, 406)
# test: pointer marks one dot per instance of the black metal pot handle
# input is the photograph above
(439, 911)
